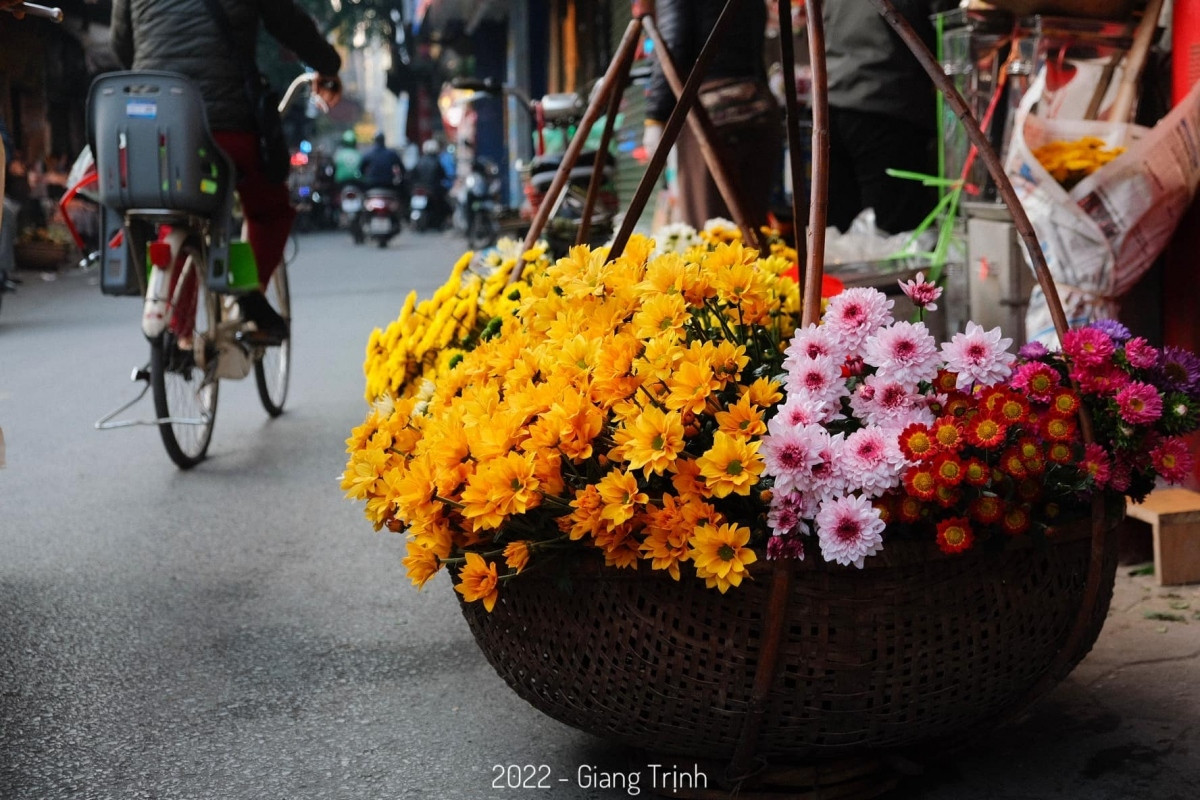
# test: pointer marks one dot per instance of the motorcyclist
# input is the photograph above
(381, 166)
(184, 36)
(430, 175)
(346, 160)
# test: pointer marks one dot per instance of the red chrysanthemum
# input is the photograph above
(946, 382)
(916, 443)
(1060, 452)
(1029, 490)
(954, 535)
(919, 482)
(1065, 402)
(1013, 408)
(957, 406)
(1016, 520)
(947, 496)
(948, 468)
(975, 472)
(1059, 429)
(947, 434)
(986, 509)
(985, 431)
(910, 509)
(1013, 463)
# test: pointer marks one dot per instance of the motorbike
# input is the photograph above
(479, 202)
(350, 207)
(381, 214)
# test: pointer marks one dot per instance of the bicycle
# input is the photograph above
(166, 198)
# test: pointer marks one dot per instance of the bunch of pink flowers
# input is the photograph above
(879, 416)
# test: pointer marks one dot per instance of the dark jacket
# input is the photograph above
(685, 26)
(182, 36)
(381, 166)
(870, 68)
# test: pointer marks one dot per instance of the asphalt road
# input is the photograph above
(239, 632)
(236, 632)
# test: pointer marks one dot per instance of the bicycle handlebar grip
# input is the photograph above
(45, 12)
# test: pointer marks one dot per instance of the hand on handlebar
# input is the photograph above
(328, 88)
(13, 7)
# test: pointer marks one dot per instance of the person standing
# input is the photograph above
(881, 114)
(750, 144)
(184, 36)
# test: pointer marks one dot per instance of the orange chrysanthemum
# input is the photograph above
(721, 555)
(478, 581)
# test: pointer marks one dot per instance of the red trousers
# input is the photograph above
(266, 205)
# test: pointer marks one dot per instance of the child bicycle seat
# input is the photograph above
(149, 135)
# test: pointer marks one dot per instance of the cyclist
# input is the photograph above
(183, 36)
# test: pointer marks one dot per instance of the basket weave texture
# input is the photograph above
(914, 649)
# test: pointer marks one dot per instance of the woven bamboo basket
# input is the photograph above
(915, 648)
(809, 662)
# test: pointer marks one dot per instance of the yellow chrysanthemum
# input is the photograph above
(420, 563)
(742, 419)
(478, 581)
(621, 496)
(731, 466)
(651, 442)
(721, 555)
(516, 555)
(499, 488)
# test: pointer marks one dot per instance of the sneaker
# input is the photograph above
(269, 327)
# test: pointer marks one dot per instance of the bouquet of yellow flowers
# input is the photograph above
(1070, 162)
(617, 407)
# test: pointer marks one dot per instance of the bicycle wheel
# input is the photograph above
(185, 393)
(272, 365)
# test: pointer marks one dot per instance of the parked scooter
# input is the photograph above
(479, 202)
(561, 112)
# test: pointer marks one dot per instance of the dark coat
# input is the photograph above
(182, 36)
(685, 26)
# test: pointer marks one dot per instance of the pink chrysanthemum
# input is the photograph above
(1139, 403)
(978, 356)
(1104, 380)
(792, 453)
(812, 341)
(1088, 347)
(787, 513)
(785, 546)
(1036, 380)
(849, 529)
(888, 403)
(800, 410)
(923, 295)
(819, 379)
(1141, 354)
(1096, 464)
(904, 352)
(872, 460)
(1172, 459)
(855, 314)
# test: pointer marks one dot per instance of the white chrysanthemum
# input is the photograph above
(849, 529)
